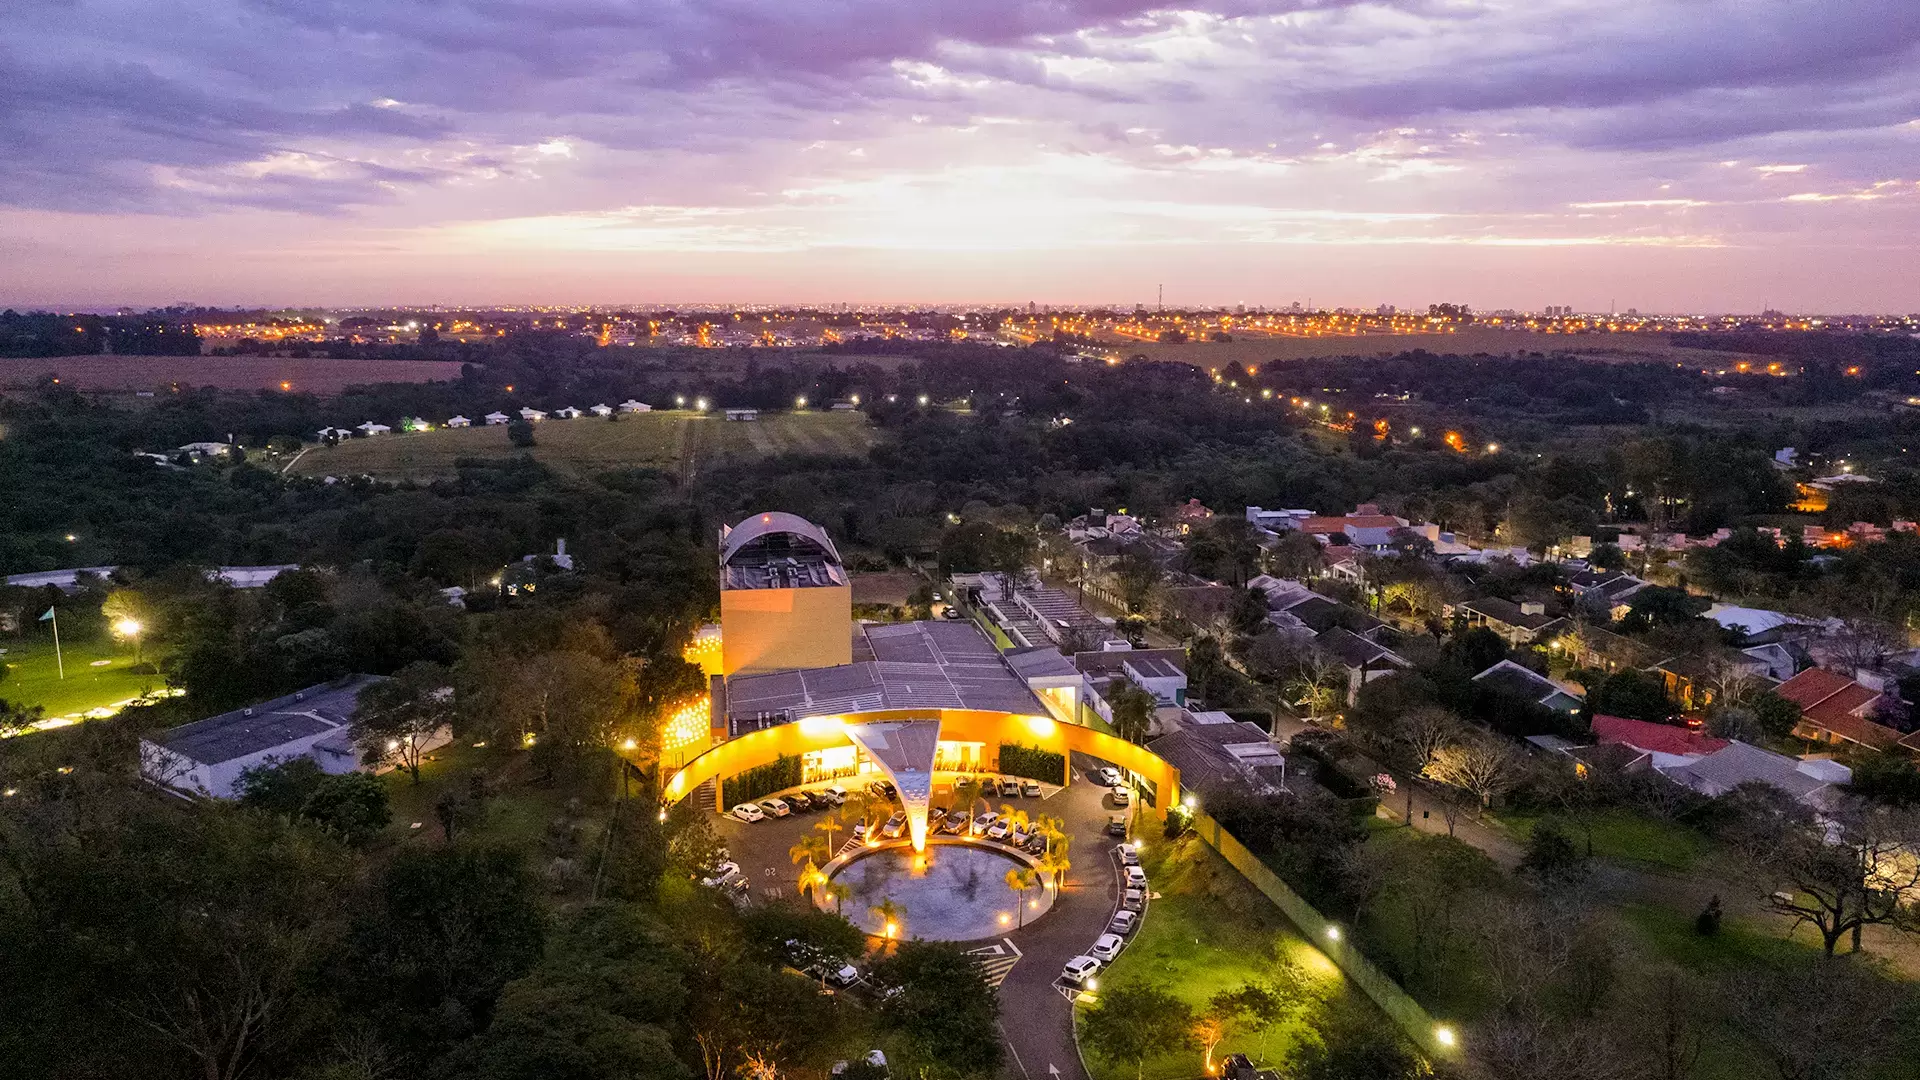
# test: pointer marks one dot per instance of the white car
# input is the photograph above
(1129, 855)
(1136, 878)
(1106, 947)
(860, 831)
(895, 826)
(1110, 776)
(984, 822)
(722, 875)
(1019, 839)
(1121, 796)
(776, 807)
(746, 811)
(1124, 923)
(999, 830)
(1133, 900)
(835, 794)
(1080, 971)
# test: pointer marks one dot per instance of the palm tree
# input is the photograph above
(890, 917)
(1020, 880)
(1055, 863)
(838, 891)
(831, 824)
(811, 878)
(809, 849)
(1052, 828)
(1015, 817)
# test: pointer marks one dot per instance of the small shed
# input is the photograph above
(743, 414)
(602, 410)
(631, 405)
(532, 415)
(568, 413)
(495, 419)
(458, 421)
(370, 428)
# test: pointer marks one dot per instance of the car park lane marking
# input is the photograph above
(996, 961)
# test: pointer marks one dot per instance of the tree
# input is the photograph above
(1632, 694)
(1814, 1020)
(1138, 577)
(1487, 766)
(1775, 715)
(1349, 1045)
(890, 914)
(1020, 880)
(1850, 869)
(1266, 1005)
(1552, 860)
(1133, 710)
(15, 719)
(553, 1031)
(352, 805)
(131, 615)
(946, 1011)
(396, 718)
(520, 434)
(1134, 1022)
(1425, 734)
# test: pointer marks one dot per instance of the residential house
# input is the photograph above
(1157, 675)
(1518, 625)
(1815, 782)
(1185, 517)
(1666, 745)
(1363, 659)
(602, 410)
(1513, 680)
(495, 419)
(199, 450)
(334, 434)
(568, 413)
(1836, 709)
(459, 422)
(532, 415)
(1608, 590)
(1758, 626)
(1587, 646)
(1689, 680)
(1211, 756)
(370, 429)
(632, 406)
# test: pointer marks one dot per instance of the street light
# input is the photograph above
(129, 629)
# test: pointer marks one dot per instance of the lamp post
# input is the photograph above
(130, 629)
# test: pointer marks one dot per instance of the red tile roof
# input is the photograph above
(1320, 525)
(1657, 738)
(1838, 706)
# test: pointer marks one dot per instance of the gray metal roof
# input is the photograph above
(919, 665)
(777, 550)
(259, 728)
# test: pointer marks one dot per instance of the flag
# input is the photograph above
(47, 616)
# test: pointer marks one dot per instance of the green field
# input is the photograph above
(33, 677)
(1208, 930)
(683, 441)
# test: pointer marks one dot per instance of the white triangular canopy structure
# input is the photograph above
(904, 750)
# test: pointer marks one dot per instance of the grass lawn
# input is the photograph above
(1211, 931)
(663, 440)
(1626, 837)
(33, 676)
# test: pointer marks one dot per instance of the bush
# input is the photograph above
(762, 780)
(1032, 763)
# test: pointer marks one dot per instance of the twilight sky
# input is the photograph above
(1661, 154)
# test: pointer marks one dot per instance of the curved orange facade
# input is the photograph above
(966, 725)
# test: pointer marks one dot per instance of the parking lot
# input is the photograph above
(1036, 1007)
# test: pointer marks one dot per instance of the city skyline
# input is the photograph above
(1659, 155)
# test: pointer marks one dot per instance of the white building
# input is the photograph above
(249, 577)
(336, 433)
(743, 414)
(603, 410)
(207, 449)
(631, 405)
(371, 428)
(458, 421)
(532, 415)
(567, 413)
(495, 419)
(207, 756)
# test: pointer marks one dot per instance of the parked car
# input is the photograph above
(895, 825)
(1030, 788)
(1135, 877)
(1121, 796)
(746, 811)
(999, 830)
(775, 807)
(957, 822)
(1080, 971)
(984, 822)
(722, 875)
(838, 972)
(1129, 855)
(1106, 947)
(1009, 787)
(880, 789)
(1133, 900)
(798, 802)
(1116, 824)
(860, 831)
(1124, 923)
(834, 794)
(1035, 844)
(1110, 776)
(1019, 838)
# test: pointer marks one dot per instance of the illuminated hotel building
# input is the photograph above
(905, 700)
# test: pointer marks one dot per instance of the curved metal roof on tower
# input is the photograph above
(775, 523)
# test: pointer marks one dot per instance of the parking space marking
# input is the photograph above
(997, 960)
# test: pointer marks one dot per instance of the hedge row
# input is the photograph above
(1032, 763)
(762, 780)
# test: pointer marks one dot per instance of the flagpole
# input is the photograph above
(59, 661)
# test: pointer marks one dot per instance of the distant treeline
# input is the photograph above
(43, 334)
